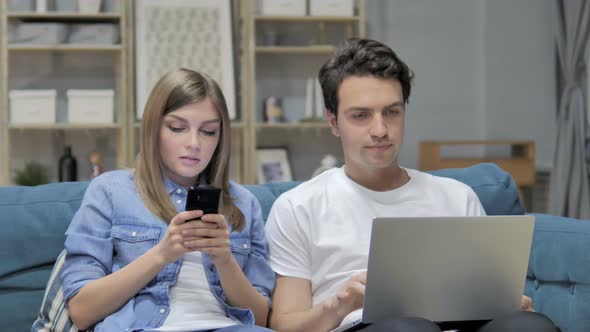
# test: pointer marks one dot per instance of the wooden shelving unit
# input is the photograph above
(255, 55)
(248, 130)
(120, 71)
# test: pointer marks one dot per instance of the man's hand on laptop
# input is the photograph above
(350, 297)
(526, 303)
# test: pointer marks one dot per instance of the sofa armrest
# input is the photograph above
(558, 277)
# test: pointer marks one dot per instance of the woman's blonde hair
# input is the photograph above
(175, 90)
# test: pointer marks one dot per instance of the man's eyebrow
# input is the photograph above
(360, 108)
(396, 104)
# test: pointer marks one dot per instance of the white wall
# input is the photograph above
(520, 73)
(484, 69)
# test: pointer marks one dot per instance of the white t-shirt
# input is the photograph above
(193, 307)
(320, 230)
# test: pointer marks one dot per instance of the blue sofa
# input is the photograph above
(33, 221)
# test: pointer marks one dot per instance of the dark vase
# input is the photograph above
(68, 166)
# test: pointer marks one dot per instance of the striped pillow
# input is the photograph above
(54, 315)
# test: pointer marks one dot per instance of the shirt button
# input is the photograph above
(162, 310)
(133, 234)
(178, 201)
(211, 268)
(245, 246)
(178, 191)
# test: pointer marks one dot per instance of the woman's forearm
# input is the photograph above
(101, 297)
(240, 292)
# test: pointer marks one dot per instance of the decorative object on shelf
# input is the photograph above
(33, 174)
(314, 101)
(32, 106)
(328, 162)
(90, 106)
(41, 6)
(273, 165)
(202, 40)
(68, 166)
(270, 37)
(273, 110)
(96, 168)
(66, 5)
(319, 101)
(89, 6)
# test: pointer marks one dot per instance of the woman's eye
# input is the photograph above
(208, 132)
(175, 129)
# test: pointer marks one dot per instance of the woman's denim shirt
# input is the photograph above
(113, 227)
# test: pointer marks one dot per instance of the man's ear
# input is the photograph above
(333, 122)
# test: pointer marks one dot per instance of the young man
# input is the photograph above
(319, 232)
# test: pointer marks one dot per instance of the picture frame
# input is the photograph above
(197, 35)
(273, 165)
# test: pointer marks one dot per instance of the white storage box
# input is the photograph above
(97, 33)
(32, 106)
(331, 7)
(40, 33)
(90, 106)
(282, 7)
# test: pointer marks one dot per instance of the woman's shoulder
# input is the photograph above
(111, 180)
(240, 192)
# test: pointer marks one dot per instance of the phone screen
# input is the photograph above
(203, 198)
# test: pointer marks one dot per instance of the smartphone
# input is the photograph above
(203, 198)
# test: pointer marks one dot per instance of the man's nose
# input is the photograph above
(378, 126)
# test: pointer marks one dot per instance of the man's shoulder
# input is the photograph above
(314, 186)
(435, 182)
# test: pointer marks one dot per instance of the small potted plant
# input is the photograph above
(33, 174)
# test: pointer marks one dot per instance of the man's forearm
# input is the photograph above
(321, 317)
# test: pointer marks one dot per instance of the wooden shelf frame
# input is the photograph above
(65, 47)
(122, 74)
(53, 16)
(520, 164)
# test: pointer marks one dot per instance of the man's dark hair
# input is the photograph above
(362, 57)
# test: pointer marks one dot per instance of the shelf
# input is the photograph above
(67, 126)
(63, 16)
(65, 47)
(293, 125)
(318, 49)
(290, 19)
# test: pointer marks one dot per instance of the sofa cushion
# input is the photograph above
(494, 187)
(33, 222)
(557, 279)
(54, 315)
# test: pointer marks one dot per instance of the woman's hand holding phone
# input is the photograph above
(185, 234)
(209, 235)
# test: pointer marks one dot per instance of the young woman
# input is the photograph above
(134, 262)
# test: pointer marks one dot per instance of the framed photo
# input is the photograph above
(273, 165)
(194, 34)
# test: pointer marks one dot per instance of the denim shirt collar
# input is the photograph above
(170, 185)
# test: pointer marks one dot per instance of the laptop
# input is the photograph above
(445, 268)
